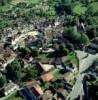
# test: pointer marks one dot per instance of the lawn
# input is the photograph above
(14, 97)
(79, 9)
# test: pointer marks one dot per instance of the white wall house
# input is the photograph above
(11, 87)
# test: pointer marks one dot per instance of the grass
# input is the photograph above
(14, 97)
(79, 9)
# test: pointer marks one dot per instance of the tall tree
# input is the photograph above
(14, 70)
(2, 81)
(72, 34)
(31, 72)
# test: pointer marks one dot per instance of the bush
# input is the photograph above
(34, 52)
(84, 39)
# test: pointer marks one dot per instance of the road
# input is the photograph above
(84, 65)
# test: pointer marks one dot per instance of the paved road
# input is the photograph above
(84, 65)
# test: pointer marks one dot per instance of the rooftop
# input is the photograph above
(46, 67)
(47, 95)
(9, 86)
(47, 77)
(38, 89)
(68, 76)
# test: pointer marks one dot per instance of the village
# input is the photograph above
(52, 66)
(48, 60)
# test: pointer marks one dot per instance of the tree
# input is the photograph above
(3, 2)
(34, 52)
(72, 34)
(63, 6)
(21, 5)
(31, 72)
(67, 6)
(62, 51)
(93, 90)
(58, 84)
(86, 2)
(14, 70)
(23, 51)
(51, 12)
(46, 85)
(84, 39)
(86, 97)
(90, 11)
(2, 81)
(72, 58)
(91, 32)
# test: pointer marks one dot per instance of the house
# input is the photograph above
(45, 67)
(8, 54)
(5, 54)
(27, 94)
(47, 95)
(48, 50)
(47, 77)
(68, 76)
(34, 88)
(63, 92)
(11, 87)
(37, 90)
(1, 53)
